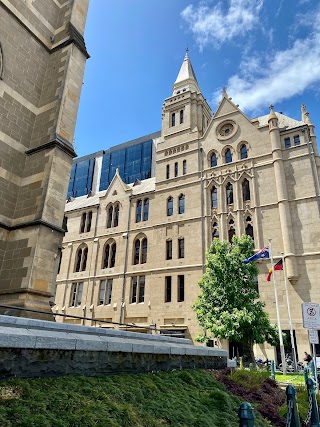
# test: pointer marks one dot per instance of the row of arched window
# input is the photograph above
(229, 193)
(140, 249)
(232, 230)
(181, 205)
(228, 155)
(113, 215)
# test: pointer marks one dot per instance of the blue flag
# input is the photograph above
(263, 253)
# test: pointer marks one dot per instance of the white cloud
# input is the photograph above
(214, 25)
(283, 74)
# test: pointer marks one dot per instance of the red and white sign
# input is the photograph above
(311, 315)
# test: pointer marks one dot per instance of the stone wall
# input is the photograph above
(33, 348)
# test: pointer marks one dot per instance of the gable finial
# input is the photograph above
(224, 92)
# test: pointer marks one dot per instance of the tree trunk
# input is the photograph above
(248, 353)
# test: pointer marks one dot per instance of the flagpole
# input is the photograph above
(283, 359)
(289, 313)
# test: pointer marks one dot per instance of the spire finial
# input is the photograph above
(187, 53)
(271, 108)
(224, 92)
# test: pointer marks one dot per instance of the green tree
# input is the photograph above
(228, 305)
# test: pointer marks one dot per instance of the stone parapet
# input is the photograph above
(35, 348)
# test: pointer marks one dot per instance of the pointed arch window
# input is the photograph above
(106, 256)
(173, 119)
(245, 190)
(243, 151)
(214, 197)
(231, 233)
(229, 190)
(170, 206)
(109, 256)
(249, 227)
(181, 116)
(81, 259)
(139, 210)
(214, 160)
(228, 156)
(181, 203)
(140, 251)
(144, 250)
(113, 255)
(109, 216)
(136, 259)
(215, 230)
(145, 209)
(116, 215)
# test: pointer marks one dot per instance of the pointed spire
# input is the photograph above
(304, 113)
(186, 78)
(272, 114)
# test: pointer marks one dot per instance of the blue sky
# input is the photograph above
(263, 51)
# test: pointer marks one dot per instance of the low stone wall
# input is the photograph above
(35, 348)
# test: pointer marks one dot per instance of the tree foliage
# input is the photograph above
(228, 305)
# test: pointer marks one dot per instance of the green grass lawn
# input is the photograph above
(294, 379)
(179, 399)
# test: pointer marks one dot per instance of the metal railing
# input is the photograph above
(127, 326)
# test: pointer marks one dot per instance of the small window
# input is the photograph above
(215, 231)
(169, 249)
(181, 116)
(229, 189)
(168, 172)
(83, 222)
(146, 210)
(105, 292)
(231, 233)
(76, 294)
(137, 289)
(181, 203)
(214, 197)
(287, 142)
(89, 221)
(249, 231)
(245, 190)
(144, 251)
(214, 161)
(140, 251)
(180, 288)
(136, 252)
(228, 156)
(181, 248)
(168, 289)
(139, 210)
(81, 259)
(109, 217)
(243, 152)
(296, 140)
(170, 206)
(106, 256)
(184, 167)
(173, 119)
(113, 255)
(116, 215)
(176, 169)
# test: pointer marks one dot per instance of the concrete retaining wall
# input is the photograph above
(35, 348)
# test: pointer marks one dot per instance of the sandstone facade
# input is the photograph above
(135, 253)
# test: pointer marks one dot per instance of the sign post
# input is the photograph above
(314, 339)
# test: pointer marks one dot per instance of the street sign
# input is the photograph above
(313, 336)
(311, 315)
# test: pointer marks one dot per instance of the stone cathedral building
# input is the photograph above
(42, 60)
(136, 239)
